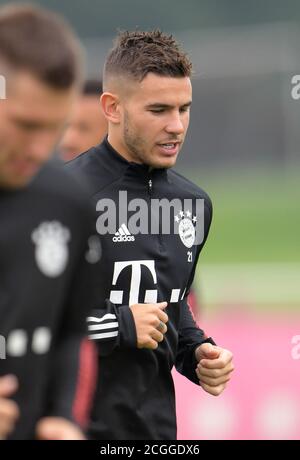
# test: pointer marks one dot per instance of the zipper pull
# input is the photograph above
(150, 186)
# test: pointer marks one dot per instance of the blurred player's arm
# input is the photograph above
(73, 381)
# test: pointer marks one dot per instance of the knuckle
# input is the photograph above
(216, 373)
(158, 336)
(154, 321)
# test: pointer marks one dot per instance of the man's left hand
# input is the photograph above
(214, 367)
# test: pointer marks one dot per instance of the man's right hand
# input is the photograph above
(150, 322)
(9, 411)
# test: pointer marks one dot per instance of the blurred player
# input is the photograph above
(45, 263)
(143, 326)
(87, 125)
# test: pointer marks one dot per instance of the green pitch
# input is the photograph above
(252, 255)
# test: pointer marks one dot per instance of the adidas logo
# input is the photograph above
(123, 235)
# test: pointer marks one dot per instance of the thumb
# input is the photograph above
(162, 305)
(208, 351)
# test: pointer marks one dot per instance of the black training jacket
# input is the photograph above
(135, 392)
(45, 290)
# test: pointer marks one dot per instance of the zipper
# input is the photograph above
(150, 195)
(150, 187)
(150, 182)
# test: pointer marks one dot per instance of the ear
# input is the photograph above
(110, 104)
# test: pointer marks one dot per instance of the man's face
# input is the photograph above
(86, 128)
(31, 120)
(155, 120)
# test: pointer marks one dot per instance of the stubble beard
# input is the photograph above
(134, 143)
(137, 146)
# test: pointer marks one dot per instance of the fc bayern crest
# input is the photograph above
(186, 228)
(51, 251)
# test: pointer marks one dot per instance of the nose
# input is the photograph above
(175, 125)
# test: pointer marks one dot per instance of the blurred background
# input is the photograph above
(243, 148)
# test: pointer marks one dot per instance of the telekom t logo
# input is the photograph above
(136, 273)
(116, 296)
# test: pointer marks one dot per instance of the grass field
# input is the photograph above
(252, 255)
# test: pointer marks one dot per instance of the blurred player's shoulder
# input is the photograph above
(97, 167)
(54, 183)
(85, 164)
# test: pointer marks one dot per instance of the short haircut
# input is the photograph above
(137, 53)
(40, 42)
(92, 88)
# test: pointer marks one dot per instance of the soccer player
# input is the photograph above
(45, 260)
(144, 326)
(87, 126)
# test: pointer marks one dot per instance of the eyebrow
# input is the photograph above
(158, 105)
(28, 123)
(32, 124)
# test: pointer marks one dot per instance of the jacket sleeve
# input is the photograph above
(190, 336)
(74, 359)
(112, 327)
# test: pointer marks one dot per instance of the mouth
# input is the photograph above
(25, 168)
(169, 148)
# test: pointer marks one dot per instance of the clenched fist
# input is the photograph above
(150, 322)
(214, 368)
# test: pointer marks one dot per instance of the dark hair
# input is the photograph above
(39, 41)
(137, 53)
(92, 88)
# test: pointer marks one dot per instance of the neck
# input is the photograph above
(120, 147)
